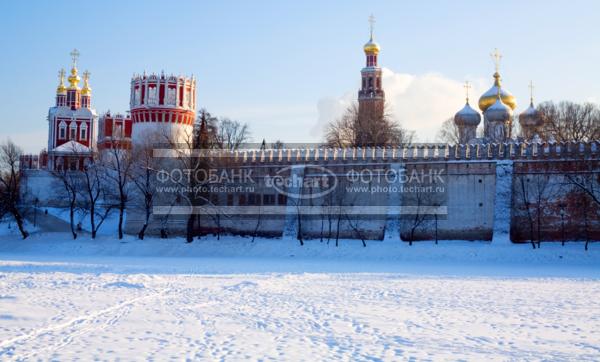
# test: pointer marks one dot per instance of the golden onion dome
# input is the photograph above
(61, 89)
(489, 98)
(74, 79)
(371, 47)
(87, 90)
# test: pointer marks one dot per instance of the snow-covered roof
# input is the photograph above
(72, 147)
(67, 112)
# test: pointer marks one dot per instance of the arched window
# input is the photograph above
(118, 130)
(73, 130)
(62, 130)
(83, 132)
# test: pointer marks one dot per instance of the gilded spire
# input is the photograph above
(496, 56)
(371, 47)
(61, 89)
(74, 77)
(86, 91)
(490, 97)
(371, 25)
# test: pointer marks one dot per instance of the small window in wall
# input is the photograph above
(252, 199)
(73, 134)
(268, 199)
(242, 199)
(230, 200)
(281, 199)
(62, 132)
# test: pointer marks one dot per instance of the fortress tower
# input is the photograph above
(163, 107)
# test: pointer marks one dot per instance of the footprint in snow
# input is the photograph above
(240, 286)
(124, 285)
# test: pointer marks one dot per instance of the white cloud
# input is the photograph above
(420, 102)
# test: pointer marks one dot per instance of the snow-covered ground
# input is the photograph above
(232, 299)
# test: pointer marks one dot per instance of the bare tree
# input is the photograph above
(419, 215)
(448, 132)
(118, 164)
(143, 176)
(10, 183)
(71, 182)
(588, 183)
(278, 145)
(587, 186)
(231, 135)
(369, 130)
(568, 121)
(533, 192)
(94, 191)
(258, 202)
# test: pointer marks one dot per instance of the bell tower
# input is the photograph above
(371, 97)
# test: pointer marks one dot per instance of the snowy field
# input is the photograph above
(275, 300)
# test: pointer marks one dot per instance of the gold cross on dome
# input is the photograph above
(496, 56)
(61, 74)
(74, 55)
(467, 86)
(86, 75)
(371, 24)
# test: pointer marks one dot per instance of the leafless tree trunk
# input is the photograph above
(118, 163)
(355, 227)
(525, 199)
(71, 186)
(143, 176)
(589, 195)
(258, 220)
(299, 216)
(418, 218)
(10, 184)
(93, 190)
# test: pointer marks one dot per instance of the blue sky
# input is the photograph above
(272, 63)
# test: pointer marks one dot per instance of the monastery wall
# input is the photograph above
(471, 192)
